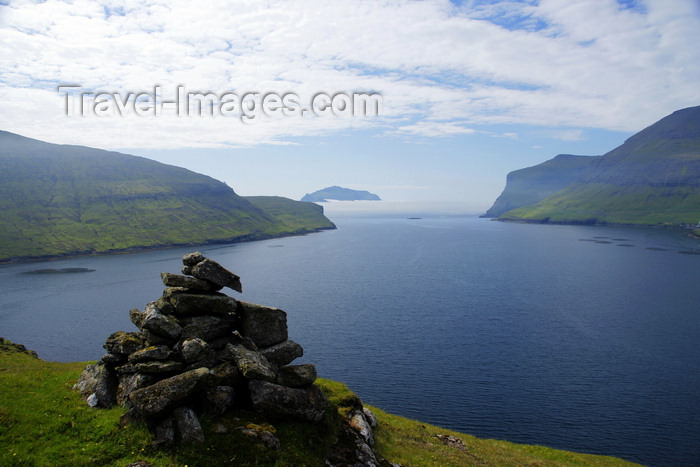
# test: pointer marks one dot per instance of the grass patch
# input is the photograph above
(43, 422)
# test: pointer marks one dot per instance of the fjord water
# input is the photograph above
(580, 338)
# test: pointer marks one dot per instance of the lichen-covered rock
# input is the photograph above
(158, 323)
(159, 397)
(296, 376)
(225, 374)
(186, 303)
(199, 349)
(247, 342)
(188, 282)
(194, 349)
(136, 316)
(251, 364)
(131, 382)
(188, 425)
(281, 402)
(156, 352)
(125, 343)
(98, 384)
(190, 259)
(213, 272)
(207, 327)
(264, 325)
(114, 359)
(283, 353)
(153, 366)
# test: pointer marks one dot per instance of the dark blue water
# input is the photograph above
(580, 338)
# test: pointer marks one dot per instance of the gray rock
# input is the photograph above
(160, 324)
(112, 359)
(247, 342)
(190, 259)
(207, 327)
(359, 423)
(165, 432)
(370, 417)
(214, 303)
(136, 316)
(188, 282)
(251, 364)
(351, 450)
(125, 343)
(158, 352)
(213, 272)
(131, 382)
(98, 384)
(159, 397)
(264, 325)
(153, 339)
(283, 353)
(156, 367)
(164, 305)
(225, 374)
(296, 376)
(282, 402)
(188, 425)
(194, 349)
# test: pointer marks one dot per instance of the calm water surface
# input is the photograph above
(581, 338)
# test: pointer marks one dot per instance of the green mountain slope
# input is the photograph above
(61, 200)
(533, 184)
(292, 216)
(652, 179)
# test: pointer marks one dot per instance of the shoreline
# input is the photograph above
(252, 237)
(685, 228)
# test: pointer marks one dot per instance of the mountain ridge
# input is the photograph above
(59, 200)
(652, 179)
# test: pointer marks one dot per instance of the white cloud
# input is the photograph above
(442, 70)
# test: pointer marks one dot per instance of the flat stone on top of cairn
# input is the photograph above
(196, 265)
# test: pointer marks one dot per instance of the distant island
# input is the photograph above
(338, 193)
(60, 200)
(652, 179)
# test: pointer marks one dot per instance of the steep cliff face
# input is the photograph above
(58, 199)
(533, 184)
(651, 179)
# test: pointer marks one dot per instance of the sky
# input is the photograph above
(463, 92)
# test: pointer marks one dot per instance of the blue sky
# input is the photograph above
(470, 89)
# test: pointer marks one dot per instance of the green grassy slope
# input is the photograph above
(292, 216)
(58, 200)
(533, 184)
(45, 423)
(652, 179)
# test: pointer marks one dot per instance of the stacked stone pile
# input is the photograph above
(199, 351)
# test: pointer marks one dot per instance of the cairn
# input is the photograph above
(200, 351)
